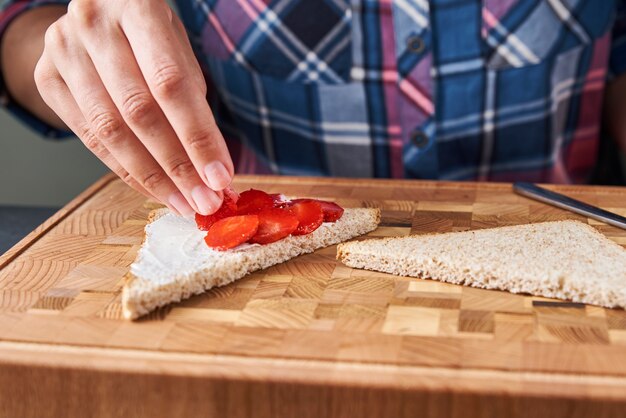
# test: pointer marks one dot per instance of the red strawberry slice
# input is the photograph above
(274, 224)
(253, 201)
(294, 201)
(230, 232)
(228, 208)
(279, 200)
(332, 211)
(309, 214)
(231, 193)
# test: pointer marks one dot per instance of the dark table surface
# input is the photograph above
(16, 222)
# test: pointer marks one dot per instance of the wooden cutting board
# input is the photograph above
(309, 337)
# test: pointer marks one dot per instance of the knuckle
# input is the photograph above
(138, 107)
(84, 12)
(55, 36)
(126, 177)
(168, 80)
(152, 180)
(202, 82)
(169, 13)
(91, 141)
(43, 74)
(181, 168)
(203, 142)
(40, 73)
(106, 126)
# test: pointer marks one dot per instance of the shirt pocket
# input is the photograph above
(284, 76)
(297, 41)
(527, 32)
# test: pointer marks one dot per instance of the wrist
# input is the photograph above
(20, 48)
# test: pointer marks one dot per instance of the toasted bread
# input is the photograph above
(174, 263)
(564, 259)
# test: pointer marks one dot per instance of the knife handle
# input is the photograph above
(561, 201)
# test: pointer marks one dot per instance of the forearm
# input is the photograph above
(615, 110)
(22, 45)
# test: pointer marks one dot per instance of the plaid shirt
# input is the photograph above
(467, 89)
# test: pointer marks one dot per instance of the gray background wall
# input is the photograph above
(38, 172)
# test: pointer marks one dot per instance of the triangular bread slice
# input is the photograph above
(174, 263)
(564, 259)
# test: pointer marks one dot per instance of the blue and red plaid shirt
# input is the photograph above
(440, 89)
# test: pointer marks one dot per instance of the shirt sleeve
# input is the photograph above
(617, 64)
(9, 10)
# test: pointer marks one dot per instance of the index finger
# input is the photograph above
(163, 61)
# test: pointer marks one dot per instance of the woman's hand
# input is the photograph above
(122, 75)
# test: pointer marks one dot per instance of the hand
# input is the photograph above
(122, 75)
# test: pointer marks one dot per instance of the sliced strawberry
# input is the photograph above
(294, 201)
(309, 214)
(230, 232)
(204, 222)
(274, 224)
(254, 201)
(332, 211)
(228, 208)
(231, 193)
(230, 201)
(279, 200)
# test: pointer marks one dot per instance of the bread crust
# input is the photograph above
(140, 296)
(572, 271)
(129, 277)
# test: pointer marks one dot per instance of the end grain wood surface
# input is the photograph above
(307, 338)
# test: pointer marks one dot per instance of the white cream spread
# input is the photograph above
(175, 246)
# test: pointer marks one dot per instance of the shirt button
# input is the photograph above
(419, 139)
(415, 44)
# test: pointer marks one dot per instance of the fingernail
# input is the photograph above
(178, 201)
(206, 200)
(217, 175)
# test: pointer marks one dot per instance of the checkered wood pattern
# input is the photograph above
(64, 288)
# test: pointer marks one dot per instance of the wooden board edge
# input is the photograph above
(412, 183)
(315, 372)
(54, 220)
(70, 392)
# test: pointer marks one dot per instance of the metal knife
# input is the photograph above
(561, 201)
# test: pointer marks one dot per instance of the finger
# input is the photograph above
(163, 65)
(103, 124)
(112, 72)
(192, 61)
(57, 96)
